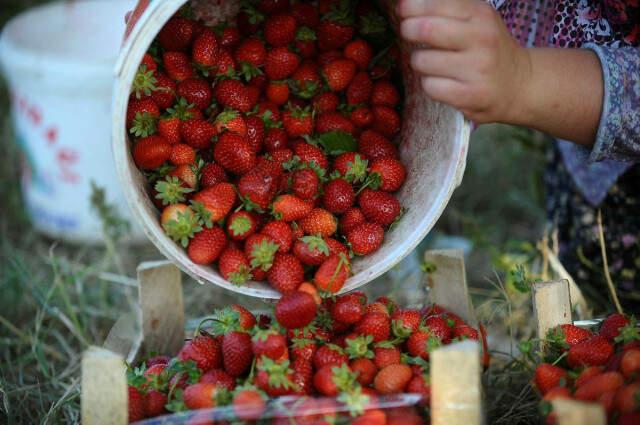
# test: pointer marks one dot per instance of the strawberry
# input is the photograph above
(281, 233)
(630, 363)
(360, 89)
(379, 207)
(286, 274)
(419, 384)
(219, 378)
(310, 154)
(566, 336)
(295, 310)
(305, 184)
(291, 208)
(329, 380)
(374, 145)
(269, 343)
(311, 250)
(280, 29)
(336, 28)
(421, 342)
(386, 121)
(462, 332)
(365, 369)
(234, 266)
(136, 405)
(298, 122)
(217, 200)
(249, 20)
(347, 309)
(392, 379)
(276, 139)
(169, 128)
(182, 154)
(352, 166)
(197, 133)
(233, 94)
(594, 351)
(258, 188)
(302, 348)
(205, 50)
(336, 247)
(329, 355)
(139, 109)
(255, 133)
(232, 121)
(350, 220)
(180, 223)
(274, 378)
(165, 94)
(386, 354)
(305, 42)
(405, 321)
(281, 63)
(212, 174)
(237, 352)
(207, 245)
(385, 94)
(610, 328)
(319, 222)
(151, 152)
(154, 403)
(338, 196)
(326, 102)
(204, 350)
(360, 52)
(334, 121)
(234, 154)
(248, 404)
(339, 74)
(302, 375)
(548, 376)
(627, 398)
(177, 34)
(226, 66)
(371, 417)
(241, 225)
(177, 66)
(278, 92)
(305, 81)
(392, 173)
(366, 238)
(361, 117)
(587, 374)
(196, 91)
(252, 52)
(200, 396)
(598, 385)
(273, 6)
(439, 327)
(375, 324)
(333, 273)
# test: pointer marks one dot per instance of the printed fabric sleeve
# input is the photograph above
(618, 135)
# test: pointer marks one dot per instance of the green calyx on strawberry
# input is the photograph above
(267, 118)
(629, 333)
(203, 214)
(355, 400)
(344, 378)
(316, 243)
(340, 13)
(182, 110)
(357, 172)
(249, 71)
(254, 15)
(306, 34)
(263, 254)
(224, 321)
(240, 225)
(144, 125)
(144, 82)
(171, 191)
(417, 361)
(399, 330)
(305, 89)
(183, 227)
(359, 347)
(278, 373)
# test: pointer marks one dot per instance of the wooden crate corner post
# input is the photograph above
(456, 385)
(572, 412)
(551, 307)
(104, 396)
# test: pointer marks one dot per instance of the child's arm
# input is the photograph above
(474, 64)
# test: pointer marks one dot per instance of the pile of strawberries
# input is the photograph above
(270, 145)
(602, 367)
(338, 355)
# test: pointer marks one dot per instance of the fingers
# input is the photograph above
(445, 90)
(437, 63)
(438, 33)
(456, 9)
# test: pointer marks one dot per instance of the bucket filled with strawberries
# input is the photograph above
(267, 144)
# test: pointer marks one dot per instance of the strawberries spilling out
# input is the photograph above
(599, 367)
(336, 356)
(270, 144)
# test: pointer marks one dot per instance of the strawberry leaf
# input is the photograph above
(338, 142)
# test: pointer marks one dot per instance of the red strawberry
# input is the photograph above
(241, 225)
(219, 378)
(302, 348)
(366, 370)
(232, 121)
(200, 396)
(548, 376)
(177, 65)
(392, 173)
(165, 94)
(594, 351)
(259, 187)
(197, 133)
(386, 121)
(405, 321)
(385, 94)
(375, 146)
(338, 196)
(334, 121)
(286, 274)
(309, 153)
(281, 63)
(360, 52)
(319, 222)
(233, 94)
(249, 20)
(305, 43)
(204, 350)
(393, 379)
(420, 343)
(136, 405)
(217, 200)
(280, 29)
(276, 139)
(226, 65)
(630, 363)
(333, 273)
(154, 403)
(327, 378)
(137, 109)
(598, 385)
(350, 220)
(311, 250)
(205, 50)
(207, 245)
(379, 207)
(255, 132)
(298, 122)
(339, 74)
(327, 57)
(251, 51)
(305, 82)
(248, 405)
(305, 184)
(362, 117)
(151, 152)
(196, 91)
(419, 385)
(269, 343)
(186, 174)
(176, 34)
(274, 378)
(303, 375)
(375, 324)
(329, 355)
(234, 154)
(336, 30)
(237, 353)
(326, 102)
(360, 89)
(566, 336)
(212, 174)
(234, 267)
(385, 355)
(295, 310)
(281, 233)
(278, 92)
(610, 328)
(169, 128)
(462, 332)
(439, 327)
(291, 208)
(627, 398)
(306, 14)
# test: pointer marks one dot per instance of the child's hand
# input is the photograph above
(470, 59)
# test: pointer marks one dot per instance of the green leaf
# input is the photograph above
(338, 142)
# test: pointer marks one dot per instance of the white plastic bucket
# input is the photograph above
(58, 60)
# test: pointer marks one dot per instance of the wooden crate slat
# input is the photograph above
(551, 306)
(104, 388)
(572, 412)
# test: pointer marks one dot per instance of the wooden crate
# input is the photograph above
(159, 326)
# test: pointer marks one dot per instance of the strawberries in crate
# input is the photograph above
(336, 356)
(599, 367)
(276, 125)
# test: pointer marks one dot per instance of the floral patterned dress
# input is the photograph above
(607, 177)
